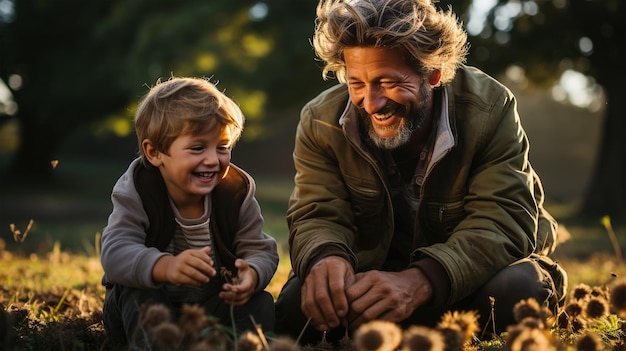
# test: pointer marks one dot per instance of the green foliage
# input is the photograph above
(82, 62)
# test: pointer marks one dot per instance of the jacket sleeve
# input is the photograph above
(253, 245)
(124, 256)
(500, 222)
(319, 214)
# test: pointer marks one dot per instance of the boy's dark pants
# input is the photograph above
(122, 307)
(535, 277)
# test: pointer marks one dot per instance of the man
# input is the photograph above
(413, 193)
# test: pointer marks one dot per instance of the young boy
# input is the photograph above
(182, 214)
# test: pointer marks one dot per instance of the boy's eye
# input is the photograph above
(197, 148)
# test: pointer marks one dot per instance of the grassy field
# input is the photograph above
(50, 277)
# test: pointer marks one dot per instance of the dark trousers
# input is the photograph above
(122, 306)
(535, 277)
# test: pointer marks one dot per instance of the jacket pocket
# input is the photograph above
(441, 218)
(366, 198)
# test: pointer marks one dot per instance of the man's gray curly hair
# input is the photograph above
(432, 39)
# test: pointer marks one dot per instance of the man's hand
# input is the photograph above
(190, 267)
(239, 292)
(323, 292)
(390, 296)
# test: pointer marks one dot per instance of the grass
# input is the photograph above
(51, 280)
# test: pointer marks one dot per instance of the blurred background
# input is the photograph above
(71, 72)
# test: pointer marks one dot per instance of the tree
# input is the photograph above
(83, 61)
(548, 37)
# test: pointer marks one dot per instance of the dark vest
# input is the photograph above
(227, 198)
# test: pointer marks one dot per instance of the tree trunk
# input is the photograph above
(606, 194)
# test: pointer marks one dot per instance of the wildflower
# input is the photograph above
(581, 291)
(418, 338)
(618, 296)
(530, 308)
(596, 307)
(578, 325)
(532, 322)
(453, 336)
(467, 322)
(248, 341)
(529, 340)
(589, 341)
(378, 336)
(574, 309)
(167, 334)
(598, 292)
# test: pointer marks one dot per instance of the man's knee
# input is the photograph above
(524, 279)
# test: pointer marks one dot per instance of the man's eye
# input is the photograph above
(356, 85)
(387, 85)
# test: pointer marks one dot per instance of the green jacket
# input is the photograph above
(480, 200)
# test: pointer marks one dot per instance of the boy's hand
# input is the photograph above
(238, 294)
(190, 267)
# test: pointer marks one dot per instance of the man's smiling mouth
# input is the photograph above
(383, 116)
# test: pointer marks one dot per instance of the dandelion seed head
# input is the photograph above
(588, 341)
(574, 309)
(530, 308)
(467, 321)
(453, 336)
(419, 338)
(529, 340)
(532, 322)
(377, 335)
(192, 320)
(166, 334)
(578, 325)
(154, 314)
(599, 292)
(618, 296)
(581, 291)
(596, 307)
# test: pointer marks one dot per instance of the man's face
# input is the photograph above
(394, 100)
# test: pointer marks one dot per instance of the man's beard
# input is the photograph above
(413, 123)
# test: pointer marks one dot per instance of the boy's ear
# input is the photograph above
(152, 154)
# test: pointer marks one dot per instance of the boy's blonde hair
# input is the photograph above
(184, 105)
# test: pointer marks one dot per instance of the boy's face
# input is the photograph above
(195, 165)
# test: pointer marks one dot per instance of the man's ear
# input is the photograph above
(434, 77)
(152, 154)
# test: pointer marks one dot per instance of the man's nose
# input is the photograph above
(373, 101)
